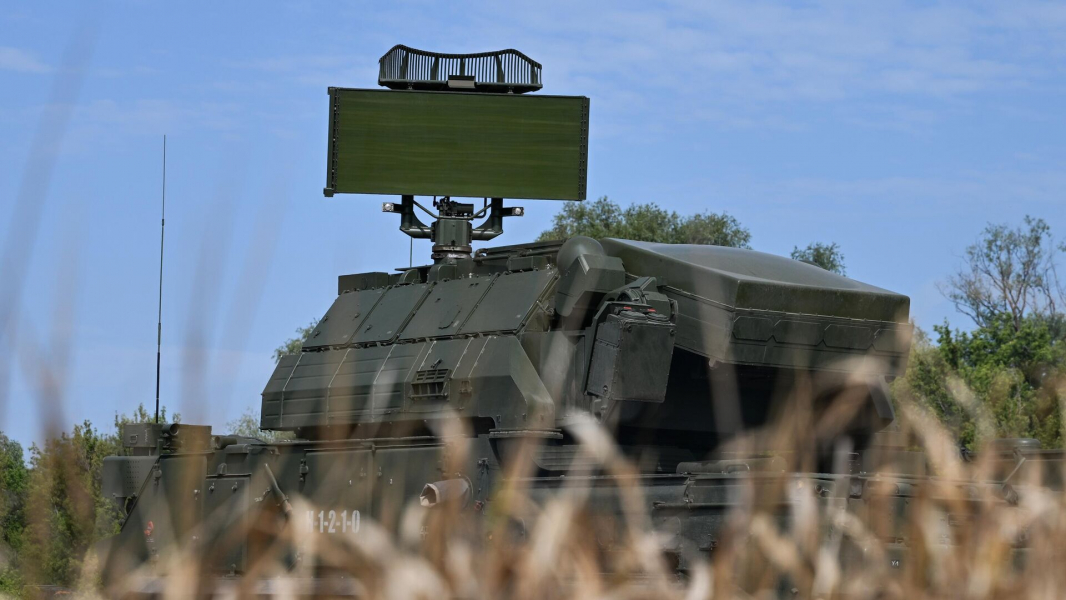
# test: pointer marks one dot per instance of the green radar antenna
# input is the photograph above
(454, 127)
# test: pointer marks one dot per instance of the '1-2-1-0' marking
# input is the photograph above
(328, 521)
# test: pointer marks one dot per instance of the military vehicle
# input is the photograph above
(675, 349)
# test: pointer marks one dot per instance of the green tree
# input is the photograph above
(1014, 376)
(14, 480)
(826, 256)
(295, 344)
(1014, 371)
(66, 511)
(1011, 367)
(927, 382)
(645, 222)
(1008, 271)
(141, 415)
(247, 425)
(53, 511)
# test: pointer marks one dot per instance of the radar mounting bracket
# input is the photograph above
(452, 230)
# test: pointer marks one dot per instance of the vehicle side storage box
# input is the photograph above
(631, 357)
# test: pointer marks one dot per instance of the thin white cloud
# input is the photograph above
(745, 64)
(14, 59)
(750, 62)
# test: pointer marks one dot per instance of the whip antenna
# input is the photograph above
(159, 317)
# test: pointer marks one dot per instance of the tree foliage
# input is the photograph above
(293, 345)
(826, 256)
(1008, 271)
(142, 415)
(14, 479)
(603, 218)
(247, 425)
(1010, 378)
(1005, 378)
(65, 507)
(53, 510)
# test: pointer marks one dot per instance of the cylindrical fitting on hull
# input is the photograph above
(449, 491)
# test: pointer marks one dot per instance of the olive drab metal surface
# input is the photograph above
(512, 298)
(396, 307)
(446, 309)
(472, 145)
(343, 319)
(748, 307)
(631, 357)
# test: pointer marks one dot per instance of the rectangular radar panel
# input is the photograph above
(474, 145)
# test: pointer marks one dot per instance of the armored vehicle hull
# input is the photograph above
(518, 339)
(448, 383)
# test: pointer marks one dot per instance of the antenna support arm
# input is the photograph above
(409, 221)
(493, 224)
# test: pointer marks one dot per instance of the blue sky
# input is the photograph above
(894, 129)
